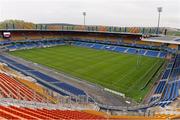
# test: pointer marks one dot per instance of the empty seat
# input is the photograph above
(120, 49)
(132, 50)
(166, 74)
(70, 88)
(152, 53)
(160, 87)
(14, 89)
(12, 112)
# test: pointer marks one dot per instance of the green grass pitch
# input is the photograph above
(112, 70)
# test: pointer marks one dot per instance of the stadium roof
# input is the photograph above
(72, 31)
(164, 39)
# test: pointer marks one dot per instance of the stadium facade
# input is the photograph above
(36, 87)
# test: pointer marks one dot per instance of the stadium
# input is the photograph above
(65, 71)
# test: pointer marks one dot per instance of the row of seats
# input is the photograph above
(47, 81)
(11, 88)
(170, 65)
(39, 89)
(177, 64)
(17, 36)
(12, 112)
(151, 53)
(170, 85)
(5, 42)
(162, 83)
(175, 72)
(173, 88)
(154, 98)
(176, 68)
(34, 44)
(171, 93)
(57, 83)
(166, 74)
(160, 87)
(131, 42)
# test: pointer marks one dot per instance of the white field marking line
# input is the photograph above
(45, 53)
(48, 52)
(90, 66)
(132, 70)
(101, 82)
(150, 69)
(143, 75)
(124, 75)
(127, 74)
(124, 63)
(101, 62)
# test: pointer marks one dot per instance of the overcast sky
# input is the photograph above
(99, 12)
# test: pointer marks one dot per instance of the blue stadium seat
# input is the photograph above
(52, 88)
(120, 49)
(22, 67)
(162, 54)
(152, 53)
(19, 46)
(11, 47)
(7, 59)
(108, 47)
(141, 51)
(153, 99)
(132, 50)
(69, 88)
(97, 46)
(166, 74)
(175, 72)
(160, 87)
(5, 42)
(170, 65)
(43, 76)
(89, 44)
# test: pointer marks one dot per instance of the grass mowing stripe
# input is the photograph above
(112, 70)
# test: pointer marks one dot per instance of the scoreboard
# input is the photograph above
(6, 34)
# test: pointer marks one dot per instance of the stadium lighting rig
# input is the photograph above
(84, 14)
(159, 9)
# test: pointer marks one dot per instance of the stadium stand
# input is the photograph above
(156, 44)
(38, 89)
(152, 53)
(13, 89)
(38, 44)
(166, 74)
(12, 112)
(146, 52)
(17, 36)
(169, 86)
(160, 87)
(19, 112)
(128, 41)
(139, 117)
(33, 35)
(173, 46)
(166, 91)
(61, 88)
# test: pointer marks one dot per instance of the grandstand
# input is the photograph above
(32, 87)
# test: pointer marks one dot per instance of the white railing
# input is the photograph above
(32, 104)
